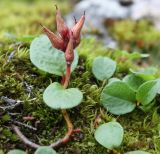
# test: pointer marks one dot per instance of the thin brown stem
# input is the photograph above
(67, 119)
(59, 142)
(24, 138)
(56, 144)
(71, 131)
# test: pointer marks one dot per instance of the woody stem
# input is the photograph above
(64, 112)
(71, 130)
(67, 77)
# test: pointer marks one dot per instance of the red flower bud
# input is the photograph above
(68, 39)
(56, 41)
(61, 26)
(69, 54)
(77, 30)
(76, 42)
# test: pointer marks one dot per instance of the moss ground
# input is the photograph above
(20, 80)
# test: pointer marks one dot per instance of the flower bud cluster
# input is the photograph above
(68, 38)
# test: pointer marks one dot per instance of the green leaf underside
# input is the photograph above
(118, 98)
(47, 58)
(147, 74)
(133, 81)
(138, 152)
(148, 91)
(45, 150)
(16, 152)
(56, 97)
(109, 135)
(103, 68)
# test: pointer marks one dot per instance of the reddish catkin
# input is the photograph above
(62, 40)
(56, 41)
(62, 28)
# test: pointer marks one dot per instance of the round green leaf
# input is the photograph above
(133, 81)
(103, 68)
(47, 58)
(45, 150)
(138, 152)
(148, 91)
(16, 152)
(110, 135)
(147, 73)
(118, 98)
(111, 80)
(55, 96)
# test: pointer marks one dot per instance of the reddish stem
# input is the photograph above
(71, 130)
(56, 144)
(67, 78)
(62, 80)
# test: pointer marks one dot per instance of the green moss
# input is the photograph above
(50, 123)
(23, 18)
(5, 118)
(137, 36)
(128, 31)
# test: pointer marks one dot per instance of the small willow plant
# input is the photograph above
(55, 54)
